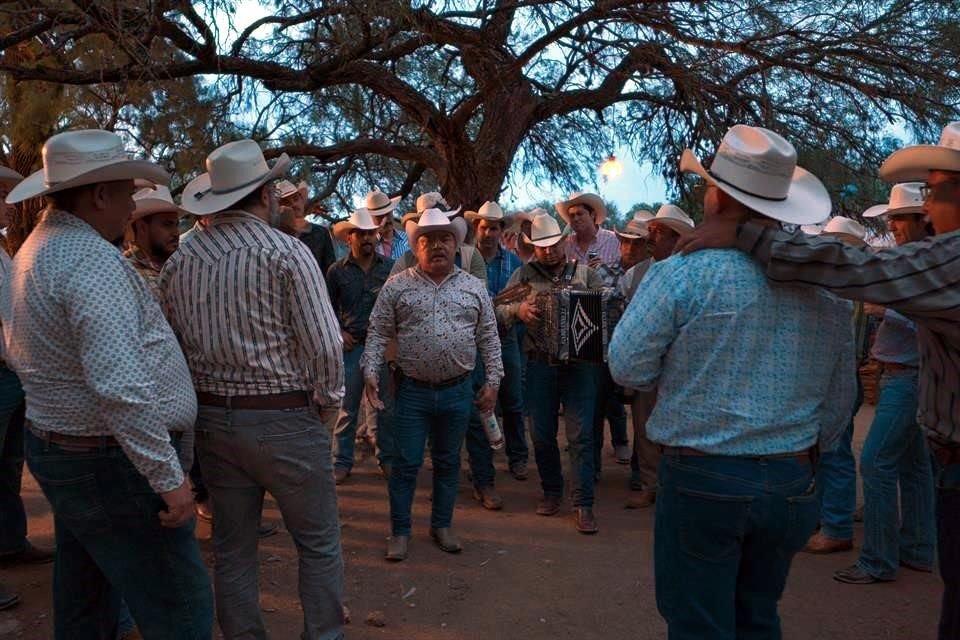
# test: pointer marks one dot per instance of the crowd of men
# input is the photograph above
(150, 377)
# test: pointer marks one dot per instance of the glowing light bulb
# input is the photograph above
(611, 168)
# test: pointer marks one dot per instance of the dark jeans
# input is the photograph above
(837, 483)
(345, 432)
(245, 452)
(610, 409)
(726, 531)
(13, 519)
(443, 415)
(110, 542)
(948, 549)
(575, 384)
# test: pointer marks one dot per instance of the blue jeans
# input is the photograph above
(895, 453)
(443, 415)
(948, 549)
(345, 432)
(244, 452)
(110, 542)
(575, 384)
(13, 518)
(837, 483)
(726, 531)
(609, 408)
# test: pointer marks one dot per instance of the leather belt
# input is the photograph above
(446, 384)
(86, 442)
(896, 366)
(687, 451)
(287, 400)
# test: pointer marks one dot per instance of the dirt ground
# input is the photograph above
(520, 575)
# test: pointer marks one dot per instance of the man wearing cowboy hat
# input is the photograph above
(669, 225)
(391, 241)
(466, 254)
(15, 548)
(590, 243)
(489, 223)
(315, 236)
(250, 306)
(750, 376)
(354, 283)
(898, 487)
(441, 318)
(155, 231)
(550, 382)
(514, 239)
(914, 280)
(109, 399)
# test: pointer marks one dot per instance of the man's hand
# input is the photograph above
(348, 342)
(528, 313)
(714, 233)
(179, 506)
(486, 399)
(328, 414)
(371, 391)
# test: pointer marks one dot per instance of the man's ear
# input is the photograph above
(99, 196)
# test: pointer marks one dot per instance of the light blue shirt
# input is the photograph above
(743, 366)
(896, 340)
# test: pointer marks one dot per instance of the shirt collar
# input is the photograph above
(418, 272)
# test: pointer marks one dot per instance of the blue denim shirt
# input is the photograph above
(354, 291)
(499, 270)
(742, 366)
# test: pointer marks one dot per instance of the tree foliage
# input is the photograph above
(459, 95)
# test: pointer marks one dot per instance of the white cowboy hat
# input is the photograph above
(673, 217)
(758, 168)
(911, 164)
(487, 211)
(359, 219)
(234, 171)
(642, 215)
(413, 216)
(431, 200)
(156, 199)
(285, 189)
(591, 200)
(89, 156)
(634, 230)
(8, 177)
(845, 228)
(544, 231)
(436, 220)
(378, 204)
(905, 198)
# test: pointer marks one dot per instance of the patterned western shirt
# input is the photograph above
(919, 280)
(743, 367)
(606, 244)
(354, 291)
(396, 248)
(92, 348)
(439, 327)
(251, 310)
(145, 267)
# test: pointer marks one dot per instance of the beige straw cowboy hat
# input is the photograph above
(905, 198)
(153, 200)
(673, 217)
(436, 220)
(359, 219)
(234, 171)
(591, 200)
(911, 164)
(544, 231)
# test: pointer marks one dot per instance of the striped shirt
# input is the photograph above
(920, 280)
(92, 348)
(252, 312)
(606, 245)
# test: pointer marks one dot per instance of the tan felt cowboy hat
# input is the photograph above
(758, 168)
(153, 200)
(436, 220)
(234, 171)
(77, 158)
(845, 229)
(673, 217)
(487, 211)
(911, 164)
(285, 189)
(905, 198)
(591, 200)
(431, 200)
(413, 216)
(8, 177)
(359, 219)
(378, 203)
(544, 231)
(635, 229)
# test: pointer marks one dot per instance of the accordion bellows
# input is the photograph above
(574, 325)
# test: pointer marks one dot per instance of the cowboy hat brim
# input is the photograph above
(456, 226)
(547, 241)
(387, 208)
(200, 200)
(629, 236)
(881, 209)
(913, 163)
(8, 177)
(34, 185)
(594, 201)
(343, 228)
(149, 206)
(473, 216)
(807, 201)
(680, 227)
(413, 216)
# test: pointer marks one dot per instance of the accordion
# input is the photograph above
(574, 325)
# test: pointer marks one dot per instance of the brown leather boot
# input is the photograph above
(397, 548)
(549, 506)
(446, 540)
(489, 498)
(586, 522)
(821, 543)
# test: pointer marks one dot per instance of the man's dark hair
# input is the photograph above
(252, 199)
(66, 200)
